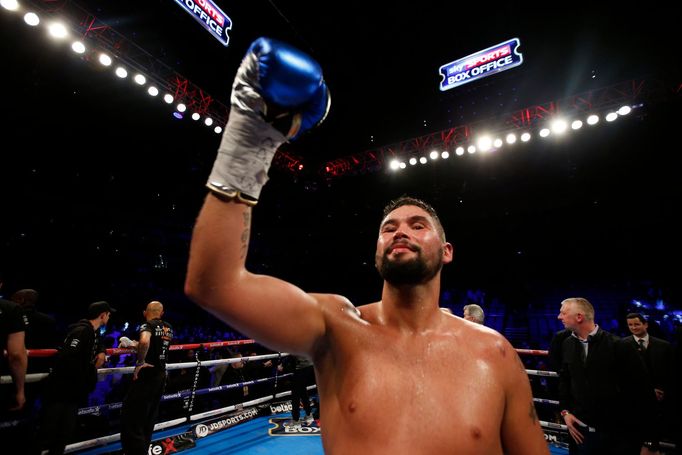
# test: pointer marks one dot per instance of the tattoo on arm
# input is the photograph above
(142, 349)
(245, 234)
(532, 413)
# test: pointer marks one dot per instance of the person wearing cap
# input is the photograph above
(141, 405)
(73, 378)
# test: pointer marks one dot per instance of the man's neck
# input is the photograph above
(585, 329)
(411, 308)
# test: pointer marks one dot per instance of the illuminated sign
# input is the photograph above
(210, 16)
(484, 63)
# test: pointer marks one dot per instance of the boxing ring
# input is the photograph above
(253, 426)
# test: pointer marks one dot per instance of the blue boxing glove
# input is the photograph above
(277, 94)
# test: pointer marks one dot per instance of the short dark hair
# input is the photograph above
(407, 200)
(636, 316)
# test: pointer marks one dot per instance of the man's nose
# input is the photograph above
(400, 233)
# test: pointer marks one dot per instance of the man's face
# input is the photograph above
(410, 249)
(637, 327)
(468, 317)
(568, 316)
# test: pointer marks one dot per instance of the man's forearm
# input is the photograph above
(17, 364)
(219, 246)
(142, 349)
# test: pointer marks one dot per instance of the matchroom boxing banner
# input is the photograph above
(487, 62)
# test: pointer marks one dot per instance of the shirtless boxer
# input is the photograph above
(395, 376)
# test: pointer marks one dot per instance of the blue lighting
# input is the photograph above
(177, 115)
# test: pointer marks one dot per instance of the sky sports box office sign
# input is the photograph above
(478, 65)
(210, 17)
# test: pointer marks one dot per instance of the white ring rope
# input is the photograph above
(104, 440)
(35, 377)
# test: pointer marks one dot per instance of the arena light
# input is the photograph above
(576, 124)
(624, 110)
(485, 143)
(168, 98)
(153, 91)
(525, 137)
(395, 165)
(403, 165)
(181, 107)
(10, 5)
(445, 155)
(208, 121)
(544, 132)
(104, 59)
(559, 126)
(413, 161)
(593, 119)
(196, 116)
(121, 72)
(611, 116)
(459, 151)
(57, 30)
(423, 160)
(471, 149)
(434, 155)
(497, 143)
(31, 19)
(140, 79)
(217, 130)
(511, 138)
(78, 47)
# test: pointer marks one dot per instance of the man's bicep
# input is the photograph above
(273, 312)
(145, 336)
(15, 343)
(521, 431)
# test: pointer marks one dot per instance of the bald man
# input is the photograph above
(141, 405)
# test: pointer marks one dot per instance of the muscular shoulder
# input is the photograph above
(489, 340)
(489, 345)
(334, 305)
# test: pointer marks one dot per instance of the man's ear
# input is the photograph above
(448, 253)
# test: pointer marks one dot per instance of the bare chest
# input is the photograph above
(433, 386)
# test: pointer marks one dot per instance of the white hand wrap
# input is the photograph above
(244, 156)
(249, 143)
(125, 342)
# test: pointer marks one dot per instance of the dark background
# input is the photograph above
(100, 185)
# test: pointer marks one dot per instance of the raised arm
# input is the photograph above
(277, 94)
(521, 431)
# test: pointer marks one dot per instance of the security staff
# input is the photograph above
(73, 378)
(141, 405)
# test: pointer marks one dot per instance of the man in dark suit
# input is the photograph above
(600, 379)
(658, 356)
